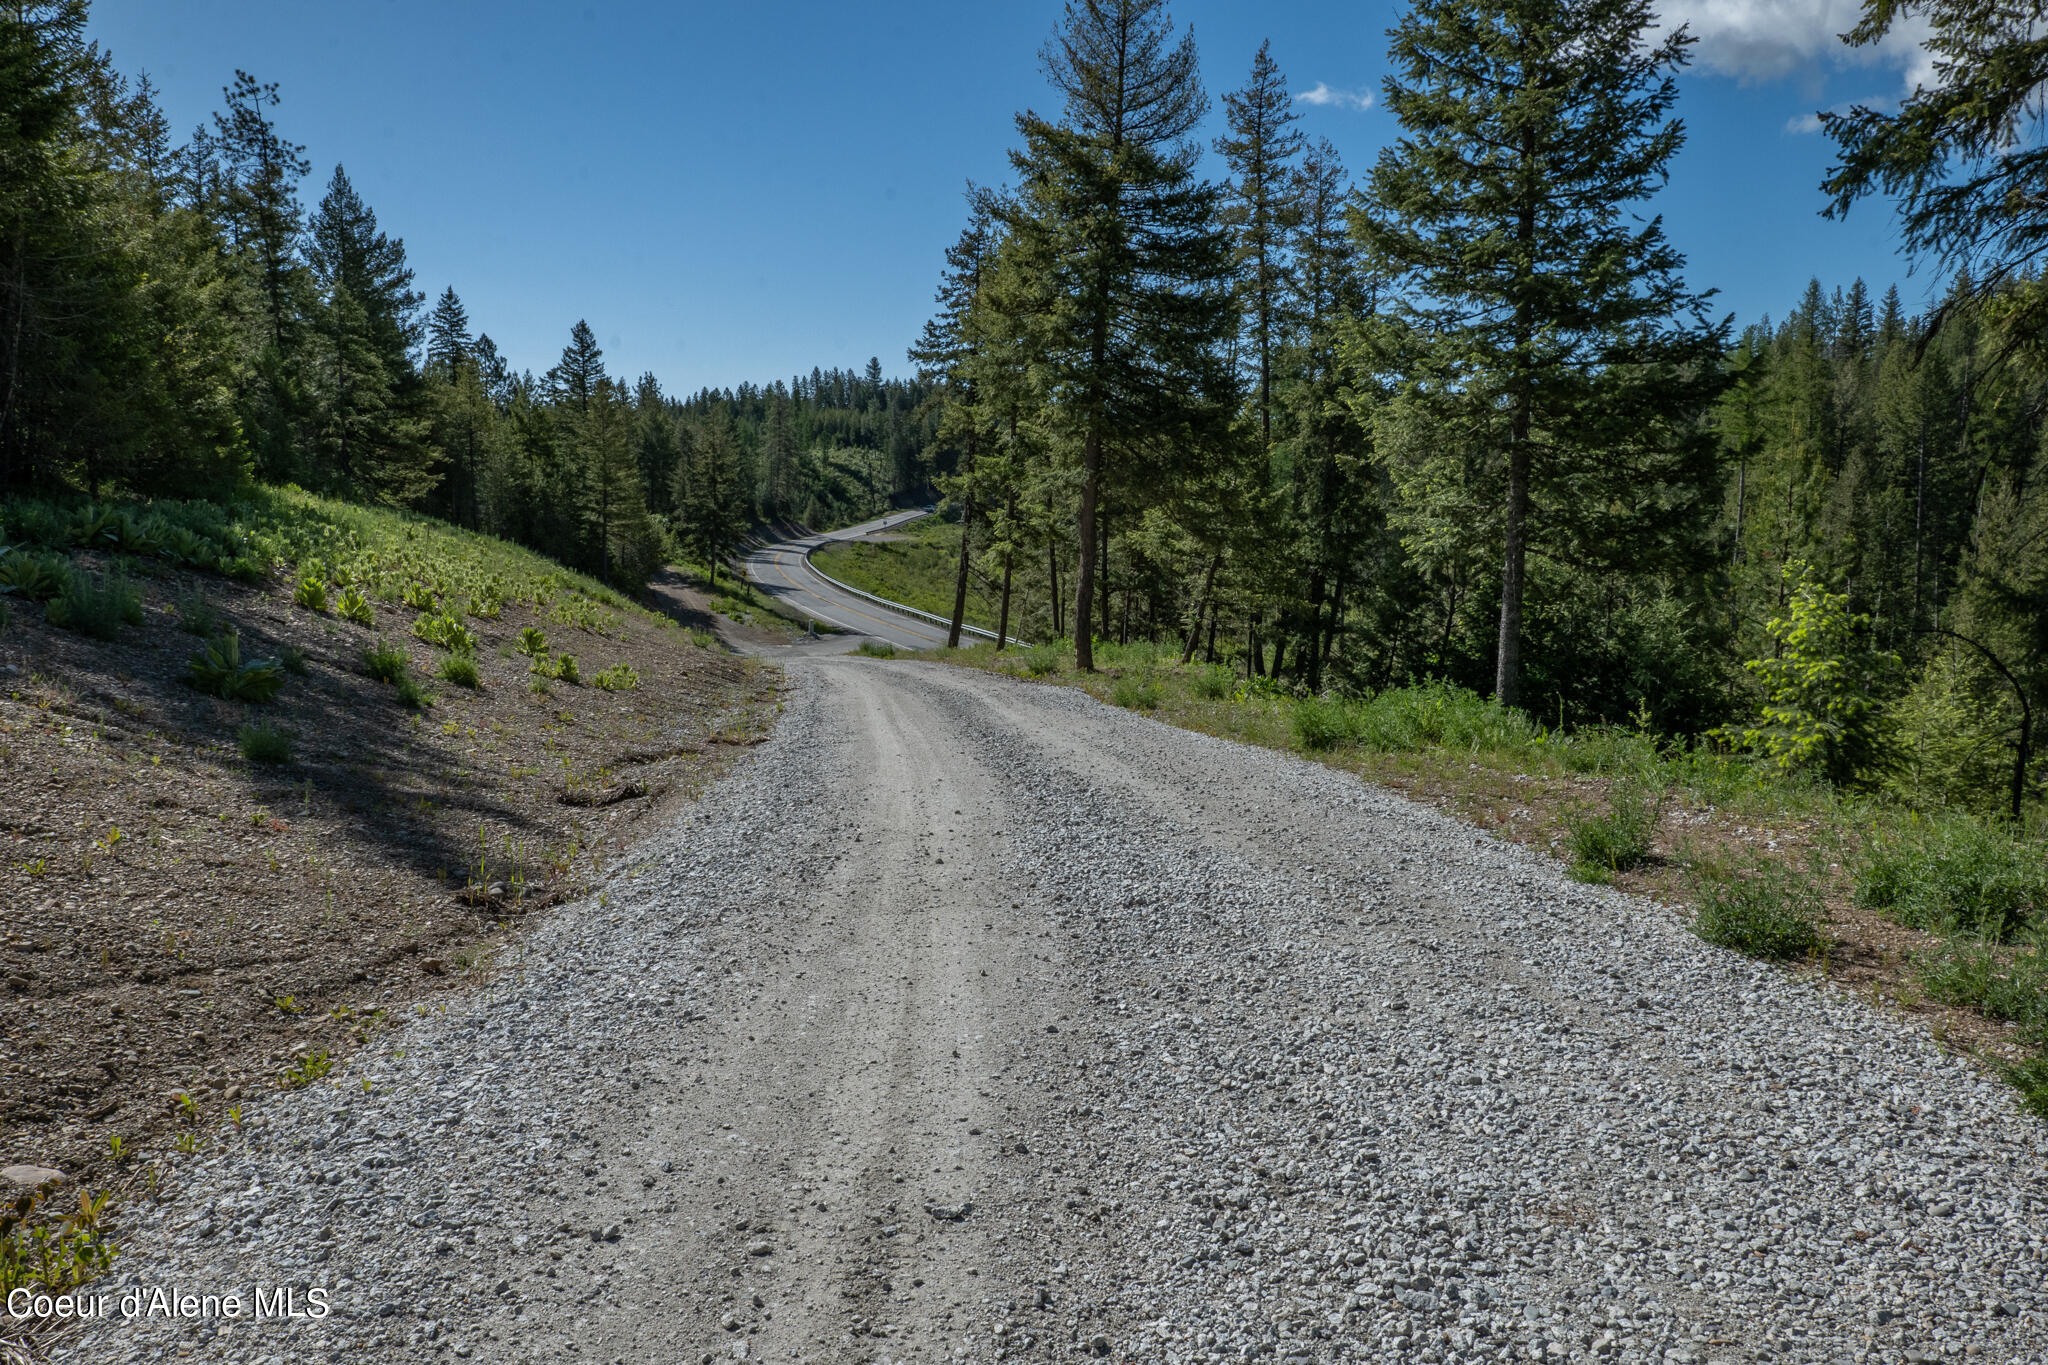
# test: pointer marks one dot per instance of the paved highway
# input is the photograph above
(784, 571)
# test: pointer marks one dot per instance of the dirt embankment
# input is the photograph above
(182, 926)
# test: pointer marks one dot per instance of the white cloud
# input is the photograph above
(1762, 40)
(1810, 123)
(1342, 99)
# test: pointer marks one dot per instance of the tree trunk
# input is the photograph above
(1052, 570)
(1102, 540)
(1209, 655)
(1201, 608)
(966, 533)
(1084, 558)
(1003, 616)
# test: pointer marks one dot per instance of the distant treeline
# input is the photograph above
(174, 319)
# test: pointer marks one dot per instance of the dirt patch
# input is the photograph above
(184, 927)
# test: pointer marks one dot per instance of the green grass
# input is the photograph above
(1954, 875)
(264, 743)
(876, 649)
(1137, 691)
(1767, 913)
(1602, 843)
(919, 571)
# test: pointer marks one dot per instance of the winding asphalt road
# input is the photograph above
(784, 571)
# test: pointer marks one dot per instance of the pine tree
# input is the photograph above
(575, 377)
(946, 353)
(1552, 321)
(1130, 267)
(448, 342)
(711, 497)
(257, 179)
(369, 416)
(614, 508)
(1261, 210)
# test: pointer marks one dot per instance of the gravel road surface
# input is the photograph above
(973, 1019)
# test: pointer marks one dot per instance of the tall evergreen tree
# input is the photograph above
(1261, 210)
(255, 173)
(1558, 335)
(369, 419)
(575, 376)
(448, 340)
(1130, 266)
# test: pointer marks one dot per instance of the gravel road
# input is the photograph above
(973, 1019)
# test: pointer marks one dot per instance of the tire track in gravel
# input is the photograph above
(1264, 1063)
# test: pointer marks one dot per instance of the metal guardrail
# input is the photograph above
(898, 606)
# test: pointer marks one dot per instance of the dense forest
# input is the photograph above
(174, 318)
(1464, 418)
(1461, 417)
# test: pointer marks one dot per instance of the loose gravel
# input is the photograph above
(977, 1020)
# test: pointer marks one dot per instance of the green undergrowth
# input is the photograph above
(338, 558)
(1977, 888)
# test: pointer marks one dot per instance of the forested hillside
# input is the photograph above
(176, 317)
(1465, 417)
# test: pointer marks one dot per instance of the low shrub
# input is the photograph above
(1766, 914)
(565, 669)
(220, 671)
(876, 649)
(294, 660)
(533, 642)
(413, 694)
(1135, 691)
(96, 604)
(311, 592)
(619, 677)
(1954, 875)
(1321, 723)
(353, 606)
(37, 577)
(197, 616)
(446, 630)
(1039, 660)
(264, 743)
(1614, 840)
(385, 662)
(460, 669)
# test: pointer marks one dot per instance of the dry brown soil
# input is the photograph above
(176, 921)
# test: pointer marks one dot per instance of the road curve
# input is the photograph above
(784, 571)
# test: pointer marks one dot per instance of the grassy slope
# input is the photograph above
(184, 920)
(919, 571)
(1715, 822)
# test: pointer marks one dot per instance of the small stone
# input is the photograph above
(760, 1249)
(31, 1177)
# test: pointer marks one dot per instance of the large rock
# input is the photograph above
(30, 1177)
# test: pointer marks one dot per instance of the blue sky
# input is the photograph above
(732, 192)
